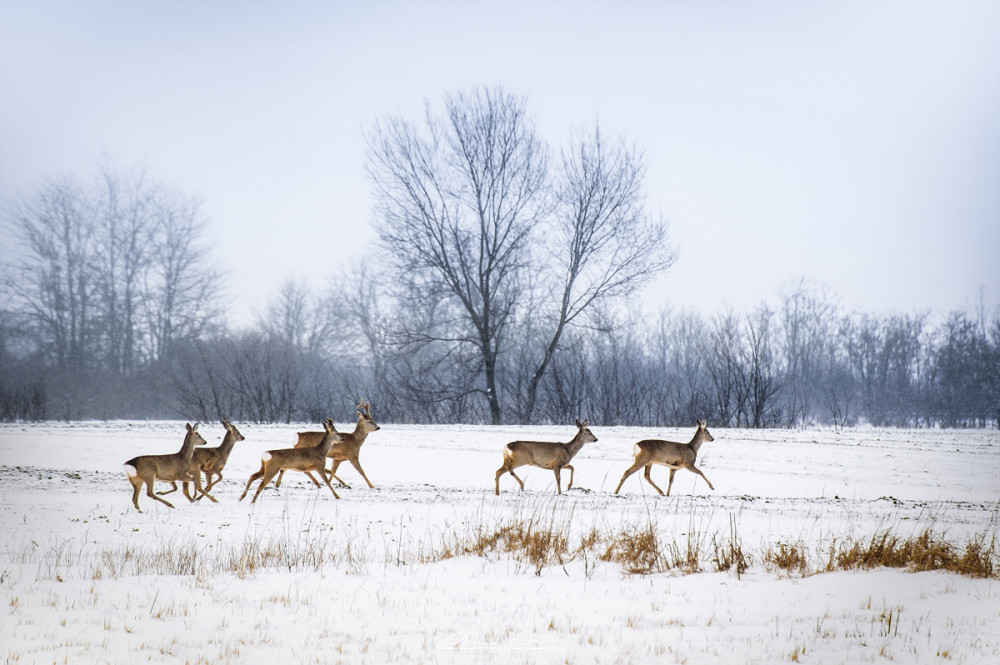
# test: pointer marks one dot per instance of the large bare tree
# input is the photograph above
(458, 200)
(487, 237)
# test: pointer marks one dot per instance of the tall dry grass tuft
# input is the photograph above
(539, 547)
(790, 558)
(638, 552)
(921, 553)
(730, 555)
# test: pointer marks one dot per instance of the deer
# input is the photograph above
(544, 454)
(303, 459)
(211, 461)
(149, 468)
(346, 450)
(670, 454)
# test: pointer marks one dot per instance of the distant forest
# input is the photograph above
(498, 293)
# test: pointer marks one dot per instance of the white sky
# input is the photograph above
(856, 144)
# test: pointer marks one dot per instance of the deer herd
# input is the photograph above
(312, 450)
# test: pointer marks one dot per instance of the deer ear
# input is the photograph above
(188, 425)
(584, 425)
(194, 428)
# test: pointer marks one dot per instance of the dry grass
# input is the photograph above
(637, 552)
(789, 558)
(538, 546)
(729, 555)
(547, 537)
(974, 558)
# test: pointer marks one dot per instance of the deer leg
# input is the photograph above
(281, 474)
(253, 477)
(698, 471)
(322, 472)
(507, 469)
(628, 472)
(136, 483)
(313, 478)
(557, 469)
(263, 483)
(357, 465)
(333, 472)
(570, 486)
(671, 482)
(199, 492)
(208, 479)
(173, 488)
(649, 468)
(502, 470)
(186, 486)
(150, 493)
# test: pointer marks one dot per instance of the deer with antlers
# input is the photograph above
(308, 459)
(346, 450)
(670, 454)
(544, 454)
(146, 469)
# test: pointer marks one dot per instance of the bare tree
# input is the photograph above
(808, 320)
(488, 239)
(762, 372)
(53, 281)
(107, 277)
(961, 373)
(182, 290)
(124, 239)
(304, 322)
(605, 245)
(679, 361)
(885, 355)
(722, 354)
(457, 203)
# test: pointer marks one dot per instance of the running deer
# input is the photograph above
(211, 461)
(669, 454)
(348, 449)
(545, 454)
(296, 459)
(149, 468)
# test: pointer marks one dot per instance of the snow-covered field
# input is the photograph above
(301, 577)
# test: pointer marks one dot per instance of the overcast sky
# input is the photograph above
(856, 144)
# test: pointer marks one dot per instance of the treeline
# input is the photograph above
(309, 356)
(498, 293)
(802, 362)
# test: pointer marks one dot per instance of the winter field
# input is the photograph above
(430, 566)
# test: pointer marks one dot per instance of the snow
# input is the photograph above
(86, 578)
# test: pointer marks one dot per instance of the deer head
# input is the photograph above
(365, 417)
